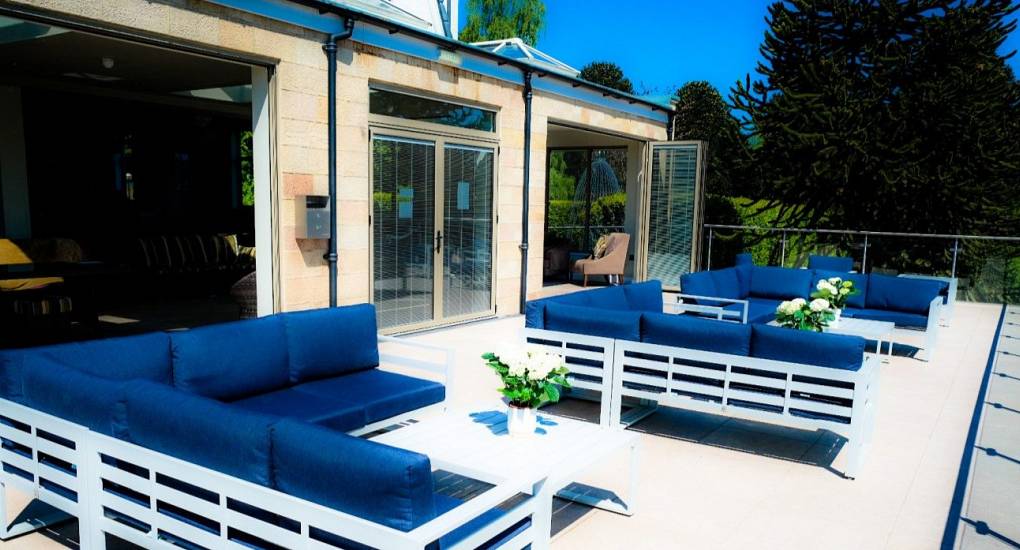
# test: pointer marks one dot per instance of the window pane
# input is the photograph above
(382, 102)
(467, 226)
(672, 203)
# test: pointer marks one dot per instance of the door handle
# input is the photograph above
(439, 240)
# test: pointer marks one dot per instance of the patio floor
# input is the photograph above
(709, 482)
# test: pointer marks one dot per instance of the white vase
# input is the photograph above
(521, 421)
(835, 320)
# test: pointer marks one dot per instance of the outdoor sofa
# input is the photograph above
(234, 434)
(617, 343)
(751, 293)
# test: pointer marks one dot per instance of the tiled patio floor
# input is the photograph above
(709, 482)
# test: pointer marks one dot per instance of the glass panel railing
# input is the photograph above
(987, 268)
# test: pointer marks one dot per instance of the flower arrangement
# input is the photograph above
(835, 290)
(530, 376)
(801, 314)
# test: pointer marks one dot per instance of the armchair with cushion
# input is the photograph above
(612, 263)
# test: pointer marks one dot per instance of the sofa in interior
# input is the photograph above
(806, 379)
(237, 433)
(751, 294)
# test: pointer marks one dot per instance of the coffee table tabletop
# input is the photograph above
(474, 442)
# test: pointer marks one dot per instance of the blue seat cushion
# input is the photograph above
(860, 281)
(646, 296)
(700, 283)
(145, 356)
(685, 331)
(759, 310)
(623, 325)
(378, 393)
(901, 293)
(331, 412)
(231, 360)
(831, 263)
(727, 283)
(780, 283)
(900, 318)
(91, 401)
(221, 437)
(836, 351)
(331, 341)
(744, 258)
(383, 484)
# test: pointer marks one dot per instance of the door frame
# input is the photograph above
(641, 270)
(439, 141)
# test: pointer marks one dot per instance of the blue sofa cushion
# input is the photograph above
(203, 431)
(331, 341)
(231, 360)
(383, 484)
(836, 351)
(727, 283)
(534, 311)
(759, 310)
(780, 283)
(623, 325)
(646, 296)
(380, 394)
(94, 402)
(860, 281)
(324, 410)
(901, 293)
(831, 263)
(744, 258)
(610, 297)
(899, 318)
(145, 356)
(744, 278)
(699, 283)
(685, 331)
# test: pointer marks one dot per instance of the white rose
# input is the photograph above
(835, 281)
(517, 368)
(798, 302)
(819, 304)
(821, 285)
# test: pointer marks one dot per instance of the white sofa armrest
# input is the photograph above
(678, 306)
(412, 359)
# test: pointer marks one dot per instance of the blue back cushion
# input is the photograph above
(901, 293)
(831, 263)
(744, 258)
(331, 341)
(684, 331)
(860, 281)
(534, 311)
(231, 360)
(383, 484)
(610, 297)
(700, 283)
(780, 282)
(94, 402)
(836, 351)
(145, 356)
(646, 296)
(623, 325)
(744, 277)
(221, 437)
(727, 283)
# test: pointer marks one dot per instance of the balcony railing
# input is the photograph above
(988, 268)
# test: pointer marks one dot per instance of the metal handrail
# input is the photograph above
(860, 232)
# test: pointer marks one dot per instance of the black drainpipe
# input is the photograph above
(330, 47)
(670, 125)
(527, 182)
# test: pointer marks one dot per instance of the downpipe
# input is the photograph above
(527, 183)
(331, 256)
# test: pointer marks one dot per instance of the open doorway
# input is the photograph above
(129, 181)
(592, 193)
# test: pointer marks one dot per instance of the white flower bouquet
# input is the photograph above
(530, 376)
(836, 290)
(801, 314)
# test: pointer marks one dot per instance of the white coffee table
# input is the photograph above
(879, 331)
(474, 442)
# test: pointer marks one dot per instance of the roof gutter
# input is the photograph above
(330, 47)
(456, 45)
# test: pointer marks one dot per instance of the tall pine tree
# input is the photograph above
(887, 115)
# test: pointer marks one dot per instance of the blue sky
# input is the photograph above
(663, 43)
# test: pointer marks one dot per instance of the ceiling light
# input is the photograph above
(107, 62)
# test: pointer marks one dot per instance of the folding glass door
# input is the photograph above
(432, 229)
(673, 210)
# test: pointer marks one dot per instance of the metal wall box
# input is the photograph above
(313, 213)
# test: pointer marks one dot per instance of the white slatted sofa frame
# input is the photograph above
(675, 303)
(575, 347)
(45, 456)
(660, 387)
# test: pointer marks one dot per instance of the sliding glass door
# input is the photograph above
(432, 229)
(673, 215)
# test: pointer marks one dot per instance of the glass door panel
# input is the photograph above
(467, 230)
(673, 210)
(404, 220)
